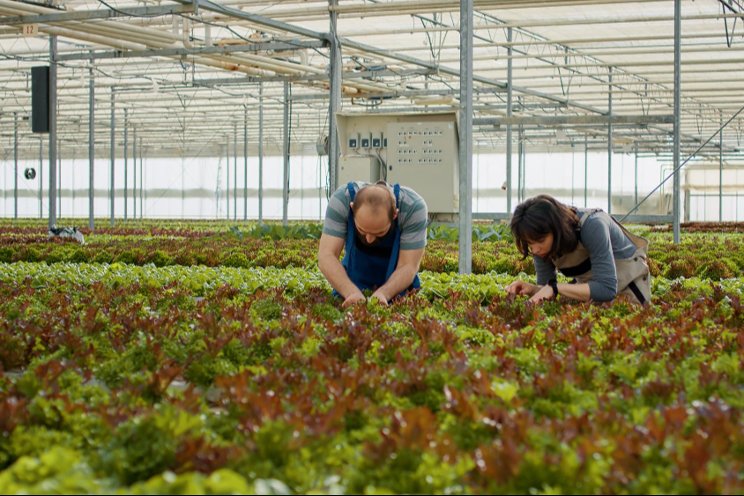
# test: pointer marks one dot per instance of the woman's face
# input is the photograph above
(542, 247)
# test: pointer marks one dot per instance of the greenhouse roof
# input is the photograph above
(193, 78)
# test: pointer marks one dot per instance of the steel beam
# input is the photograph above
(52, 131)
(87, 15)
(554, 120)
(466, 138)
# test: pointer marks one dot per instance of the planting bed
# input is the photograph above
(148, 377)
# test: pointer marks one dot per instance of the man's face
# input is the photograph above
(371, 225)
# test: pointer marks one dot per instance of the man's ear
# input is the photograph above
(395, 215)
(351, 204)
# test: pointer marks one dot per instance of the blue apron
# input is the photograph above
(370, 266)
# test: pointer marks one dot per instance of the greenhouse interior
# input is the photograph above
(196, 298)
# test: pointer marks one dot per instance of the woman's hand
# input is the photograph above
(522, 288)
(542, 294)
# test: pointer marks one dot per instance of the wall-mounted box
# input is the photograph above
(416, 150)
(358, 168)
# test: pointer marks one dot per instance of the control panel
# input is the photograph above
(416, 150)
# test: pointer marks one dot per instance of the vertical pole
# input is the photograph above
(285, 153)
(260, 153)
(520, 153)
(112, 191)
(227, 173)
(523, 165)
(509, 113)
(235, 171)
(609, 141)
(183, 182)
(635, 175)
(334, 104)
(586, 167)
(720, 171)
(573, 173)
(134, 173)
(59, 178)
(245, 162)
(41, 178)
(91, 146)
(466, 136)
(142, 181)
(677, 95)
(52, 131)
(126, 160)
(15, 162)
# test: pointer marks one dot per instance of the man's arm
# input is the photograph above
(329, 250)
(409, 262)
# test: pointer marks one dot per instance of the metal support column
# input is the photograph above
(91, 145)
(720, 171)
(586, 167)
(245, 162)
(142, 178)
(334, 103)
(466, 136)
(519, 164)
(285, 153)
(260, 153)
(235, 171)
(227, 172)
(52, 131)
(126, 160)
(677, 95)
(15, 167)
(509, 112)
(635, 175)
(134, 173)
(59, 178)
(112, 191)
(609, 141)
(41, 178)
(522, 163)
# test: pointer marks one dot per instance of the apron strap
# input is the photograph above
(350, 227)
(637, 292)
(396, 243)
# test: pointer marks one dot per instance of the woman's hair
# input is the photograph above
(537, 217)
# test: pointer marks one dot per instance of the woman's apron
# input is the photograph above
(633, 276)
(369, 267)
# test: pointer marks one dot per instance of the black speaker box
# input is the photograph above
(40, 99)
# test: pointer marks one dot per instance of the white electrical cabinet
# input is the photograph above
(416, 150)
(358, 168)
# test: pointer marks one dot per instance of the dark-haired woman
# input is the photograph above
(603, 258)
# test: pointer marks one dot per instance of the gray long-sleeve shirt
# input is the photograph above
(605, 241)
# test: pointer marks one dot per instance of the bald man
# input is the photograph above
(383, 230)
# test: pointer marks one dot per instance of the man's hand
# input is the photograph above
(522, 288)
(380, 297)
(353, 298)
(544, 293)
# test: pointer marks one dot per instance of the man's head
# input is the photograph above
(374, 211)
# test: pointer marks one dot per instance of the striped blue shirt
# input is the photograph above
(412, 217)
